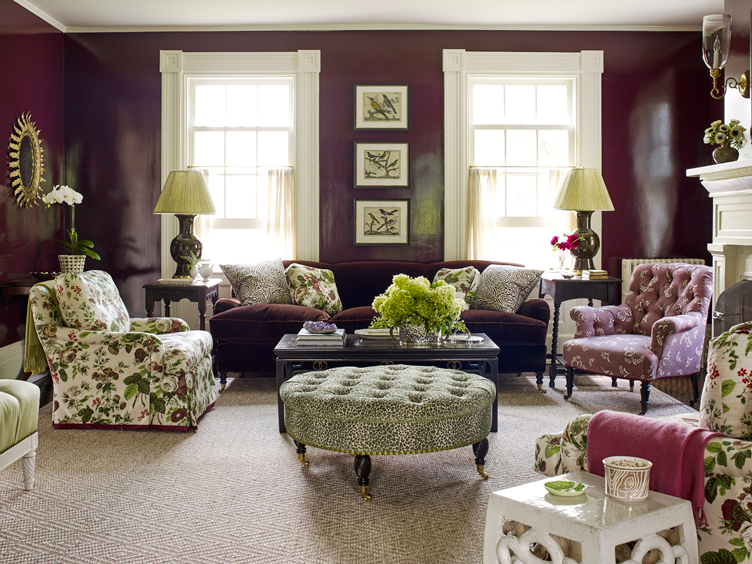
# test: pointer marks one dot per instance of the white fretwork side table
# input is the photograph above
(588, 528)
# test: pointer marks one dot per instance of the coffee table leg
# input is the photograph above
(300, 449)
(362, 470)
(480, 450)
(494, 365)
(281, 368)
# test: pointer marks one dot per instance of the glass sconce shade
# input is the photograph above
(716, 40)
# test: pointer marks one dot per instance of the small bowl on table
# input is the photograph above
(627, 478)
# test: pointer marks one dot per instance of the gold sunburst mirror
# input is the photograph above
(26, 160)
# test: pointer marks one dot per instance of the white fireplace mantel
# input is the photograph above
(730, 187)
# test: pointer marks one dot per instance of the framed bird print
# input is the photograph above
(381, 106)
(382, 222)
(383, 165)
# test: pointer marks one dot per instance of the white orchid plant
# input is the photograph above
(74, 245)
(731, 135)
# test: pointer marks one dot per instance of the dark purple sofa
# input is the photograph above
(245, 336)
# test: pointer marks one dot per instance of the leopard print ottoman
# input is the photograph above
(394, 409)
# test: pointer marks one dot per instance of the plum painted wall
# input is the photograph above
(652, 132)
(31, 66)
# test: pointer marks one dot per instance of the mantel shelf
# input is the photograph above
(726, 177)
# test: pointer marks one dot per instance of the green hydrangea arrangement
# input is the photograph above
(416, 301)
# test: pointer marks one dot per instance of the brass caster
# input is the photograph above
(222, 388)
(540, 389)
(364, 493)
(302, 459)
(481, 472)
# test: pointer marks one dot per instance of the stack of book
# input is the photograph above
(307, 339)
(594, 274)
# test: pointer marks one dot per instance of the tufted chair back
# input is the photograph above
(659, 290)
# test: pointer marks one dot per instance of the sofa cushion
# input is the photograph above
(726, 404)
(258, 283)
(313, 287)
(505, 288)
(465, 281)
(354, 318)
(262, 322)
(359, 283)
(90, 300)
(505, 328)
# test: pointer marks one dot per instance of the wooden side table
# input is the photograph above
(562, 289)
(197, 292)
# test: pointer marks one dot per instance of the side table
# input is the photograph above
(197, 292)
(562, 289)
(593, 523)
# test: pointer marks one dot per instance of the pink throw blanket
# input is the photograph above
(676, 451)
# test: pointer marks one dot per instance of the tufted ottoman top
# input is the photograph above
(393, 409)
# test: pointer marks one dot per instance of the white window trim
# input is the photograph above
(586, 67)
(177, 66)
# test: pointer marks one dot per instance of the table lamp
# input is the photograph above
(584, 191)
(185, 194)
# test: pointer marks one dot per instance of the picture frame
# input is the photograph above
(383, 165)
(382, 222)
(382, 106)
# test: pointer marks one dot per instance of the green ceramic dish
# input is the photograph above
(565, 488)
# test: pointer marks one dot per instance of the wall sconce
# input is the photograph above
(716, 43)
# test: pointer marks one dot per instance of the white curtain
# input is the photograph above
(562, 221)
(481, 221)
(280, 222)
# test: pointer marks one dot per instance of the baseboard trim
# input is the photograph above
(11, 360)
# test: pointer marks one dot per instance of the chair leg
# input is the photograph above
(645, 397)
(28, 463)
(694, 378)
(613, 383)
(570, 382)
(631, 385)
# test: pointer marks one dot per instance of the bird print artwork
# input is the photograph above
(382, 106)
(381, 221)
(382, 164)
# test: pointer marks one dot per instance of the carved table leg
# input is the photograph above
(301, 453)
(480, 450)
(554, 343)
(362, 470)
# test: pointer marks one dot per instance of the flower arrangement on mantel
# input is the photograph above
(416, 301)
(731, 135)
(74, 245)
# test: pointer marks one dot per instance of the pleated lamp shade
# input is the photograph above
(583, 190)
(185, 193)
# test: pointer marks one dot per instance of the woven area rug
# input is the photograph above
(234, 492)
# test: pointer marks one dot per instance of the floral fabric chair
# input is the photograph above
(109, 370)
(658, 332)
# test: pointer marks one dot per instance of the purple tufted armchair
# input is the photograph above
(659, 331)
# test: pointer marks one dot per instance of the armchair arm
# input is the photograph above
(159, 325)
(599, 321)
(667, 326)
(537, 308)
(728, 457)
(225, 304)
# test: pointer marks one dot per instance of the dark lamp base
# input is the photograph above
(589, 244)
(184, 244)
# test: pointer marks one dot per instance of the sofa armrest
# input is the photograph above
(598, 321)
(158, 325)
(537, 308)
(662, 328)
(225, 304)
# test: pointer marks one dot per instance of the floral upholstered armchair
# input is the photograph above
(659, 331)
(110, 370)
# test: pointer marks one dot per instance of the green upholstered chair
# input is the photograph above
(19, 412)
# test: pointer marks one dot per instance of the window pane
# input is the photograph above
(521, 196)
(274, 105)
(209, 106)
(273, 148)
(241, 148)
(520, 104)
(553, 106)
(489, 147)
(521, 148)
(488, 104)
(553, 147)
(208, 148)
(217, 191)
(233, 246)
(241, 196)
(242, 101)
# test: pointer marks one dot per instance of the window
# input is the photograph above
(239, 128)
(521, 128)
(519, 114)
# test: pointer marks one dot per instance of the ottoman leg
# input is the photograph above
(301, 453)
(362, 470)
(480, 450)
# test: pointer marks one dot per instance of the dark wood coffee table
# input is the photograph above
(480, 358)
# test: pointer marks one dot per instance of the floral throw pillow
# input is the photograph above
(90, 300)
(465, 281)
(313, 287)
(504, 288)
(258, 283)
(726, 401)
